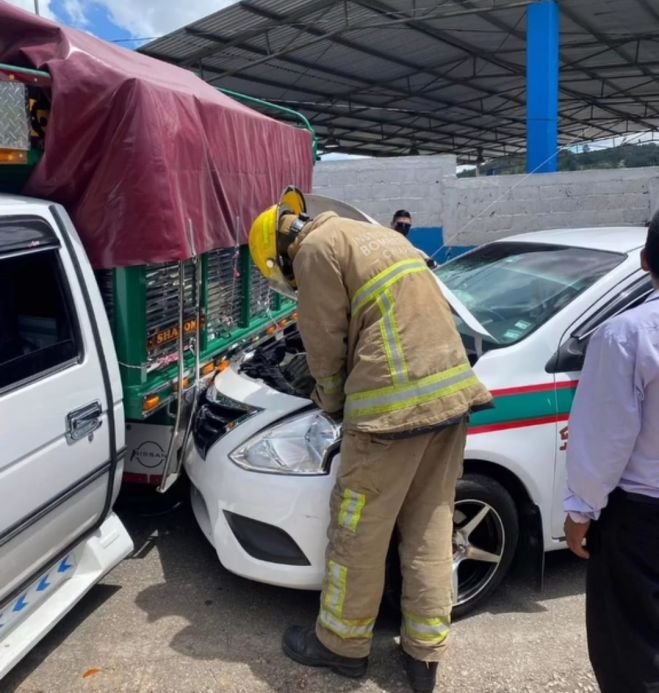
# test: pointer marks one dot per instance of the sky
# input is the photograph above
(126, 22)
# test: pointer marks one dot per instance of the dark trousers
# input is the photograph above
(622, 595)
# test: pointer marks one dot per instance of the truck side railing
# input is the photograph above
(277, 108)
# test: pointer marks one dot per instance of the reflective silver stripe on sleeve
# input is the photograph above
(410, 394)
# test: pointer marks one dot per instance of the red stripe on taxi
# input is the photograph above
(529, 389)
(522, 423)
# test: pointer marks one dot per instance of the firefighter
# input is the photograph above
(388, 361)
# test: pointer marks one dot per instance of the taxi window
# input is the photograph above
(514, 288)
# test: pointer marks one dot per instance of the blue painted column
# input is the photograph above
(542, 75)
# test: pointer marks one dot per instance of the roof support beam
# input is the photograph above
(310, 7)
(494, 21)
(376, 5)
(579, 21)
(415, 69)
(445, 37)
(353, 97)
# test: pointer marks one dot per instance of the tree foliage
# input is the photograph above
(624, 156)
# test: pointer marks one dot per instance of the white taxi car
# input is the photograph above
(263, 460)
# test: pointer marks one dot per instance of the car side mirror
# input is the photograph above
(569, 357)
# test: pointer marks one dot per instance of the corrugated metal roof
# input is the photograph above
(387, 77)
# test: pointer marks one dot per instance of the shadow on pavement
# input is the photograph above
(230, 619)
(233, 627)
(564, 576)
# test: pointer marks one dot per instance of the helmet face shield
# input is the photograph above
(281, 285)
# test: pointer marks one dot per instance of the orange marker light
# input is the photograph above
(13, 156)
(207, 369)
(150, 403)
(186, 383)
(223, 366)
(271, 330)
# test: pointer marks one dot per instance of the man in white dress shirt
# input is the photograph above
(613, 499)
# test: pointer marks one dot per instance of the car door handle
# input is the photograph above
(82, 422)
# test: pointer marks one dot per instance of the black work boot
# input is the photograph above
(302, 646)
(421, 675)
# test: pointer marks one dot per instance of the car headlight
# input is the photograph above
(298, 446)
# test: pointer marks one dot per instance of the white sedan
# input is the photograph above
(263, 460)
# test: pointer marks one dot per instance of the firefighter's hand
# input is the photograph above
(336, 416)
(575, 535)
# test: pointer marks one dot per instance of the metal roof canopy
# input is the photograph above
(393, 77)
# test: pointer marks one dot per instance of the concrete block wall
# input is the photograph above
(381, 186)
(482, 209)
(475, 210)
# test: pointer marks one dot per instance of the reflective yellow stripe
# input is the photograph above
(374, 287)
(391, 339)
(433, 631)
(351, 509)
(400, 397)
(335, 591)
(332, 384)
(347, 628)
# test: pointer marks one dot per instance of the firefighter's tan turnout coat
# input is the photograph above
(380, 337)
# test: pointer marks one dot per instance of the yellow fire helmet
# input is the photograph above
(268, 243)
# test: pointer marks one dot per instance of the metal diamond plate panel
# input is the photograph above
(14, 121)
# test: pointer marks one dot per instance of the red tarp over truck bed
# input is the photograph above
(140, 151)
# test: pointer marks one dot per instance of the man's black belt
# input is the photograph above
(636, 497)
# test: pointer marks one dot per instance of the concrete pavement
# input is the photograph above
(172, 619)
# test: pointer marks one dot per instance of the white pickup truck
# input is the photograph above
(108, 331)
(63, 433)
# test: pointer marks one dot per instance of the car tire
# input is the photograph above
(478, 497)
(486, 525)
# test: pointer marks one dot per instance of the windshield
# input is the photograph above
(514, 288)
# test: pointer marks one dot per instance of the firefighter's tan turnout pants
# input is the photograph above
(382, 481)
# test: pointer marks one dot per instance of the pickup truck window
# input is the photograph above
(37, 330)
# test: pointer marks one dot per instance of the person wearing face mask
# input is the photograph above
(402, 222)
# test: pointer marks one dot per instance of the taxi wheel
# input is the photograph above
(485, 535)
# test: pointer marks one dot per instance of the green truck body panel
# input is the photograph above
(132, 301)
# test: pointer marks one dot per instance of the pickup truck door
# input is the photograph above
(58, 454)
(566, 367)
